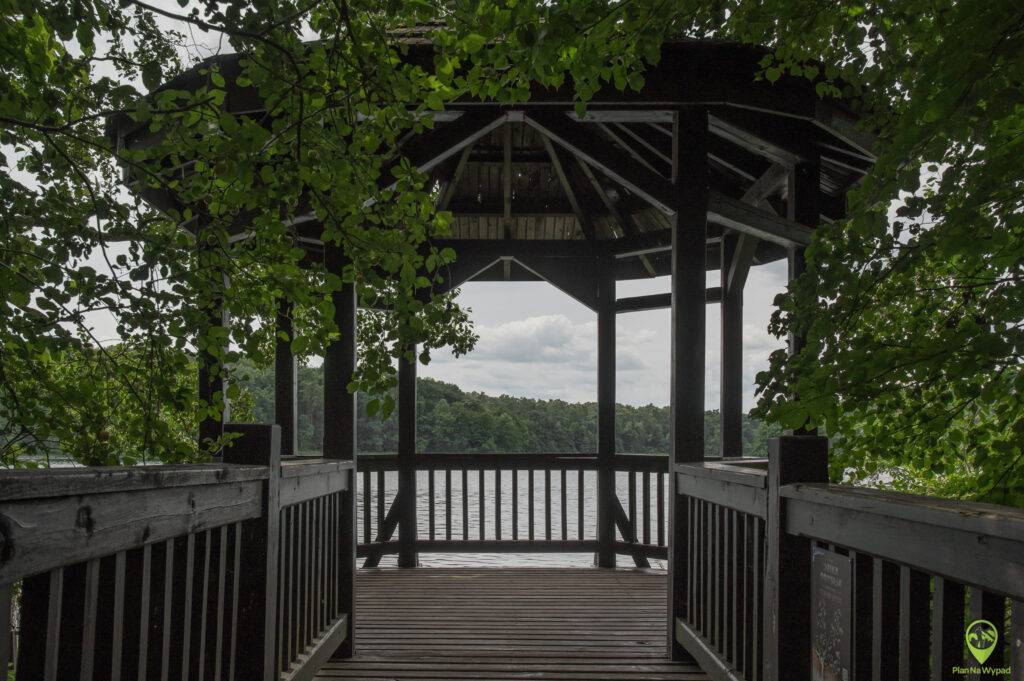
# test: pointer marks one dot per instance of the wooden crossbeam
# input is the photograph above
(506, 181)
(660, 301)
(590, 148)
(453, 183)
(560, 167)
(742, 217)
(431, 147)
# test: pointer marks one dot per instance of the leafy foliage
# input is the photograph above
(912, 308)
(77, 245)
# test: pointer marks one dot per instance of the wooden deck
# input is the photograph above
(508, 623)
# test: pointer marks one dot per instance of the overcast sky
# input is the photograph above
(537, 342)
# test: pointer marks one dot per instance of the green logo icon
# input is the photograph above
(981, 637)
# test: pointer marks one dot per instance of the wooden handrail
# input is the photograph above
(977, 544)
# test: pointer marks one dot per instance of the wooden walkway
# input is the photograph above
(507, 623)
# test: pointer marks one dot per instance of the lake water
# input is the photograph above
(518, 560)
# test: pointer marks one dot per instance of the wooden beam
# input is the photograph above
(722, 124)
(646, 137)
(590, 148)
(660, 301)
(453, 183)
(690, 179)
(742, 217)
(621, 216)
(431, 147)
(629, 148)
(743, 256)
(561, 172)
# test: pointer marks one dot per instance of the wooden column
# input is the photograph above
(802, 207)
(787, 579)
(686, 376)
(212, 386)
(406, 464)
(340, 428)
(606, 413)
(286, 384)
(731, 384)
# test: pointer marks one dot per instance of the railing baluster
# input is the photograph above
(204, 603)
(5, 631)
(483, 510)
(529, 494)
(631, 498)
(117, 640)
(497, 504)
(380, 504)
(186, 637)
(579, 504)
(430, 503)
(367, 504)
(89, 614)
(53, 619)
(647, 507)
(465, 504)
(947, 627)
(147, 575)
(565, 510)
(222, 566)
(547, 504)
(515, 503)
(448, 504)
(661, 508)
(236, 576)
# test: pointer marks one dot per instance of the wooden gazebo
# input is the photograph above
(246, 568)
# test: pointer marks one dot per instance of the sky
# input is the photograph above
(537, 342)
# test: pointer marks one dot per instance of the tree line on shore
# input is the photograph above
(450, 419)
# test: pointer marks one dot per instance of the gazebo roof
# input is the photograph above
(535, 172)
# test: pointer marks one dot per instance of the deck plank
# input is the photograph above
(494, 624)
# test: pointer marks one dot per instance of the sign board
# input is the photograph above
(832, 616)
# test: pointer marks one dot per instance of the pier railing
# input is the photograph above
(907, 575)
(510, 503)
(219, 571)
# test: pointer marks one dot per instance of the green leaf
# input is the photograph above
(473, 43)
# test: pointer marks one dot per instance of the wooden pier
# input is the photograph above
(511, 623)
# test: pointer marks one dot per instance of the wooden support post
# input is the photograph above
(802, 207)
(340, 430)
(606, 413)
(286, 385)
(258, 581)
(212, 386)
(731, 388)
(406, 465)
(686, 378)
(787, 580)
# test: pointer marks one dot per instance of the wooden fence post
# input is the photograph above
(258, 581)
(787, 590)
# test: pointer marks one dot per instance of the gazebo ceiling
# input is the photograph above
(536, 172)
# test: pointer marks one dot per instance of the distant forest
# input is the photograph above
(453, 420)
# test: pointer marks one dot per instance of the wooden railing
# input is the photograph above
(176, 572)
(723, 509)
(905, 575)
(511, 503)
